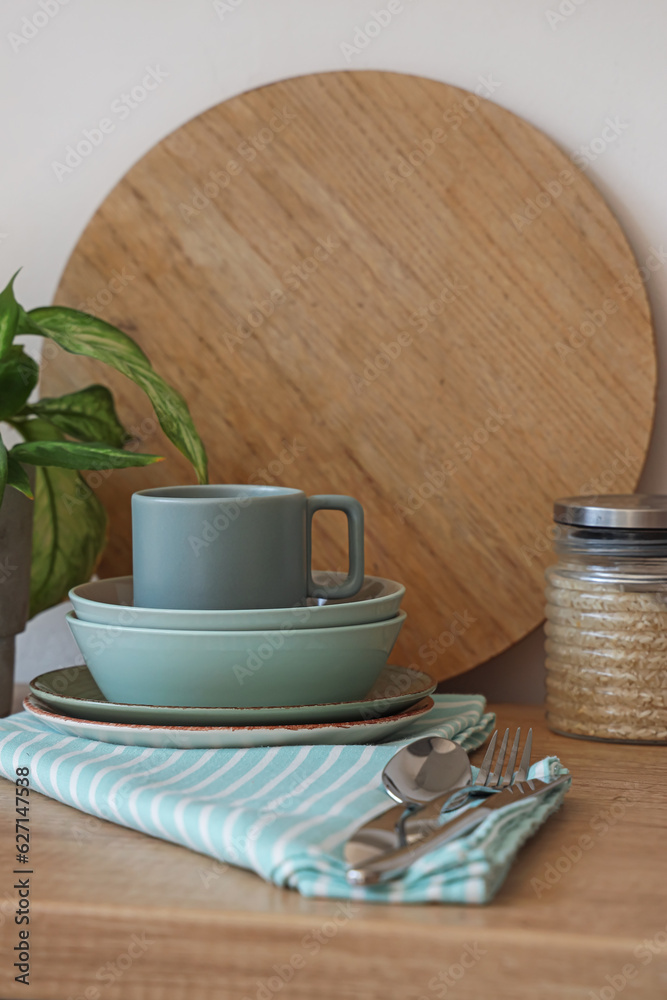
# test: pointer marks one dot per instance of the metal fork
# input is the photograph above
(382, 865)
(487, 782)
(491, 778)
(488, 778)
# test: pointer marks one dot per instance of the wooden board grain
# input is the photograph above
(563, 925)
(376, 284)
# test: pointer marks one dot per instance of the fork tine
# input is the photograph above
(509, 770)
(486, 763)
(522, 772)
(494, 780)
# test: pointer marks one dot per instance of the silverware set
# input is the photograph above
(430, 777)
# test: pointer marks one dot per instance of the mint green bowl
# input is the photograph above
(111, 602)
(147, 666)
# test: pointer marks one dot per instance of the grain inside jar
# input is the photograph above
(607, 619)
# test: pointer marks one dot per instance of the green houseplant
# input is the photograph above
(62, 436)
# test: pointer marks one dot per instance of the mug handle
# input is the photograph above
(355, 534)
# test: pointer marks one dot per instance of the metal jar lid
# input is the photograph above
(630, 511)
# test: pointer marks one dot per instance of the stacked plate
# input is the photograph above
(311, 674)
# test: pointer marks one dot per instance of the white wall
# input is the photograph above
(565, 65)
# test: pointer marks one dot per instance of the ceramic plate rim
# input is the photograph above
(129, 578)
(246, 708)
(419, 708)
(397, 619)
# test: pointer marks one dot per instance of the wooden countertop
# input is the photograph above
(117, 914)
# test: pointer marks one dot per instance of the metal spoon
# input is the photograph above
(423, 771)
(416, 774)
(426, 769)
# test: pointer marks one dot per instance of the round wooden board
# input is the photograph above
(381, 285)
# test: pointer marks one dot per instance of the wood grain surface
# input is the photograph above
(376, 284)
(562, 925)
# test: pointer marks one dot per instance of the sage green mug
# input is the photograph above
(234, 547)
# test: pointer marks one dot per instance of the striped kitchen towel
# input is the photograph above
(284, 812)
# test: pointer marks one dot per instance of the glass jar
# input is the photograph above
(607, 619)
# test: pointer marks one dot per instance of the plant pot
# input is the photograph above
(15, 552)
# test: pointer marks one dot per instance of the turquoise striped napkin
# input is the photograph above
(284, 812)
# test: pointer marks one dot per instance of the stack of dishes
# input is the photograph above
(200, 678)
